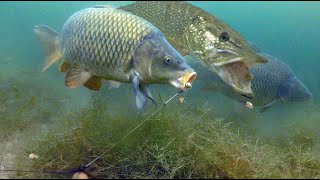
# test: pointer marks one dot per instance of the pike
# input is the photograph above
(274, 83)
(193, 31)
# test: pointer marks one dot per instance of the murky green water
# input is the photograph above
(30, 100)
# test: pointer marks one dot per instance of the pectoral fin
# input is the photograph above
(145, 89)
(76, 76)
(94, 83)
(267, 106)
(64, 67)
(141, 97)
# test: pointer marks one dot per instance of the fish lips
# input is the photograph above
(185, 81)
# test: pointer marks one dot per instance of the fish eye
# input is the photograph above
(168, 60)
(224, 37)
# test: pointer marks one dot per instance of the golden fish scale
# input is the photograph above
(103, 36)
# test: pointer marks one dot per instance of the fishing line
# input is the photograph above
(87, 165)
(43, 172)
(83, 168)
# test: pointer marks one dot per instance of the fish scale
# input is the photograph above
(106, 43)
(265, 89)
(94, 24)
(192, 30)
(268, 78)
(154, 11)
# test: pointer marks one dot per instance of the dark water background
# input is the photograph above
(286, 30)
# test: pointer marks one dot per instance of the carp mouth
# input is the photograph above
(185, 81)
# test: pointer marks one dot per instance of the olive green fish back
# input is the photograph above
(171, 17)
(103, 36)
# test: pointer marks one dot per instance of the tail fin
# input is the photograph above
(50, 40)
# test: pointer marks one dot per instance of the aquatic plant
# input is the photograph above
(182, 141)
(24, 103)
(25, 108)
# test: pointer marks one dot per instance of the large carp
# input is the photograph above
(107, 43)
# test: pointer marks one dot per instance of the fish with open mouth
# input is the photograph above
(274, 83)
(193, 31)
(107, 43)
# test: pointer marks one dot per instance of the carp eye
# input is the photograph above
(167, 60)
(224, 37)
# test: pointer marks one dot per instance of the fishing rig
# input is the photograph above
(86, 166)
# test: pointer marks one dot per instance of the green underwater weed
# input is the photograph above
(181, 141)
(25, 110)
(24, 104)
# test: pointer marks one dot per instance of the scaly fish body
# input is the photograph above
(106, 43)
(193, 31)
(273, 82)
(103, 40)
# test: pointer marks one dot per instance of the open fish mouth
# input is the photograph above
(185, 81)
(239, 77)
(235, 72)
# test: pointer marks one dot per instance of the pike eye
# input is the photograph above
(224, 37)
(168, 60)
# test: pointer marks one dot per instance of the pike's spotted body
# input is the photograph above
(194, 31)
